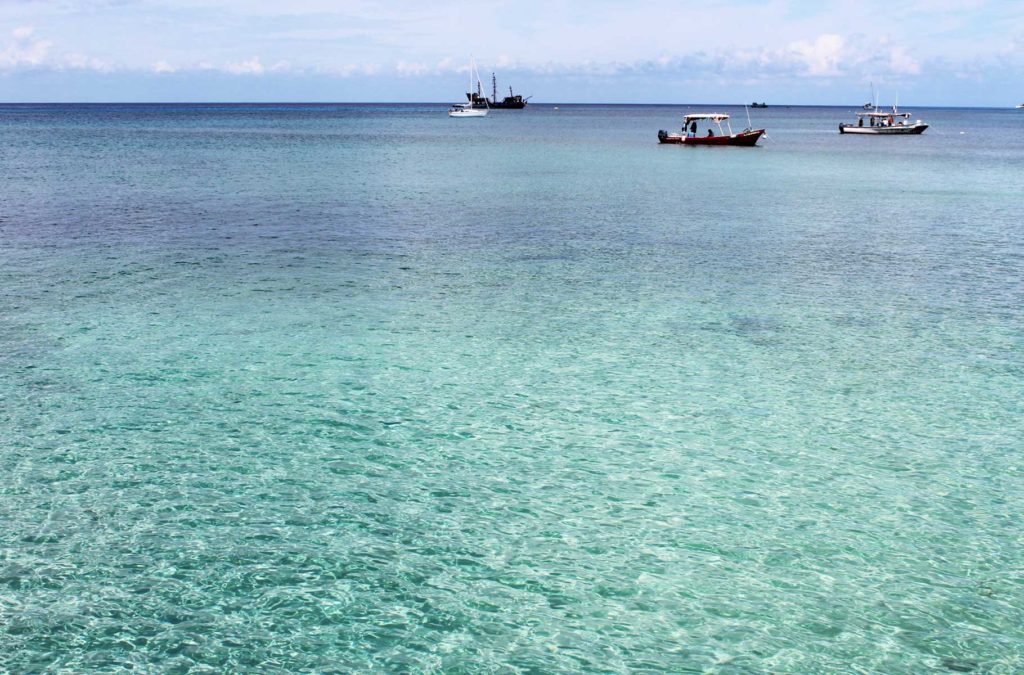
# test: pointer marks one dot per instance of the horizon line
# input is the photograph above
(448, 103)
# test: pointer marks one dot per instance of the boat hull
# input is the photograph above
(744, 138)
(467, 113)
(898, 130)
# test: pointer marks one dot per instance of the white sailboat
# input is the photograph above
(467, 109)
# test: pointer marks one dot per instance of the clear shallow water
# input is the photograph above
(366, 388)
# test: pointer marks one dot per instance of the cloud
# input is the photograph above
(24, 50)
(82, 62)
(406, 69)
(252, 66)
(823, 57)
(161, 67)
(900, 61)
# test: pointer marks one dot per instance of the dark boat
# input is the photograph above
(510, 102)
(755, 104)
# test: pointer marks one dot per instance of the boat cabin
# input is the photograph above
(882, 119)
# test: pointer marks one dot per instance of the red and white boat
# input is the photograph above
(691, 134)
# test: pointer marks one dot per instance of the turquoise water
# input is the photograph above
(363, 388)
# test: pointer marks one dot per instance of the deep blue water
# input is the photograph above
(365, 388)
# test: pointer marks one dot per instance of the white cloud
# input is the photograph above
(252, 66)
(23, 32)
(823, 57)
(162, 67)
(24, 50)
(406, 69)
(82, 62)
(901, 62)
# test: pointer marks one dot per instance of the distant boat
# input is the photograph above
(690, 136)
(1020, 106)
(881, 123)
(511, 102)
(758, 105)
(870, 105)
(467, 109)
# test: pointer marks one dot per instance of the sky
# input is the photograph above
(926, 52)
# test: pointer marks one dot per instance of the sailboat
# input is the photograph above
(467, 109)
(872, 104)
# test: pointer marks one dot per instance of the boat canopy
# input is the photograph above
(883, 114)
(714, 117)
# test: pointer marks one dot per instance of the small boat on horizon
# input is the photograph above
(871, 105)
(467, 109)
(1020, 106)
(755, 104)
(689, 136)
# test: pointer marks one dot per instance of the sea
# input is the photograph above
(368, 389)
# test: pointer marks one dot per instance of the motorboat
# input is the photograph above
(881, 123)
(690, 135)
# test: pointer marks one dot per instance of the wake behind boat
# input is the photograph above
(691, 136)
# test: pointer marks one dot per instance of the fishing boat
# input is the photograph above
(725, 135)
(755, 104)
(882, 123)
(467, 109)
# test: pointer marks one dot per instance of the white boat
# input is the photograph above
(467, 109)
(1020, 107)
(882, 123)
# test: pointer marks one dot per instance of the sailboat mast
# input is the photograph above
(494, 88)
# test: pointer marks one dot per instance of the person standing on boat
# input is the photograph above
(693, 128)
